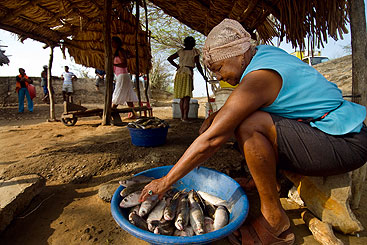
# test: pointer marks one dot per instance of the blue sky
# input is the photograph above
(31, 56)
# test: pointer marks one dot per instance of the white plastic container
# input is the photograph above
(221, 97)
(193, 109)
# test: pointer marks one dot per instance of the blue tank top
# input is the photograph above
(305, 93)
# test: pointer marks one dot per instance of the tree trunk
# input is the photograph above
(359, 81)
(106, 118)
(49, 86)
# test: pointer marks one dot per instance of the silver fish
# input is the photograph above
(196, 215)
(216, 201)
(135, 180)
(209, 209)
(156, 213)
(208, 224)
(148, 205)
(131, 200)
(132, 188)
(183, 213)
(188, 231)
(220, 218)
(135, 209)
(138, 221)
(170, 210)
(164, 227)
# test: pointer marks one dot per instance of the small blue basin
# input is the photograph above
(203, 179)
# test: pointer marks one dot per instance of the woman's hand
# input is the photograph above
(156, 187)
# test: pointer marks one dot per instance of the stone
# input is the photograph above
(328, 199)
(106, 191)
(16, 194)
(321, 231)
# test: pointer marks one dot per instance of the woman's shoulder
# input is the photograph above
(180, 51)
(196, 51)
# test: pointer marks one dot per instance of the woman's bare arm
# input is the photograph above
(258, 89)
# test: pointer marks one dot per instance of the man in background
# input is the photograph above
(44, 83)
(67, 86)
(99, 77)
(22, 83)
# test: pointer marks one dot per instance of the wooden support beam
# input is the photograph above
(49, 86)
(137, 16)
(359, 55)
(359, 80)
(106, 118)
(146, 83)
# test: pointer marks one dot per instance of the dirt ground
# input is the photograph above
(76, 160)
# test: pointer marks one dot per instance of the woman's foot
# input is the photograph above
(259, 231)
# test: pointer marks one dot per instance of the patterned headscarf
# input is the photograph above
(227, 39)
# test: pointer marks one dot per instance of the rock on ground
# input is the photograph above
(106, 191)
(16, 194)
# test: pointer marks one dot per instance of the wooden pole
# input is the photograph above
(148, 46)
(359, 51)
(359, 81)
(106, 118)
(49, 86)
(137, 15)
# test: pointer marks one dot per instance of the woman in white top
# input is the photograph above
(184, 83)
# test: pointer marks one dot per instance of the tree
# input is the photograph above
(167, 35)
(161, 75)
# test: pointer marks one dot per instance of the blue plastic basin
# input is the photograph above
(203, 179)
(148, 137)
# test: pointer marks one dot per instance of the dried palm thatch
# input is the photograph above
(76, 25)
(292, 20)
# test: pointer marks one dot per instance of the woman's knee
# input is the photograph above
(259, 122)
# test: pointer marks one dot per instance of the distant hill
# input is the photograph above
(338, 71)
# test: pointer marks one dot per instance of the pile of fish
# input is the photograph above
(148, 122)
(179, 213)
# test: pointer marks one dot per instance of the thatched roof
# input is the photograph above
(76, 25)
(293, 20)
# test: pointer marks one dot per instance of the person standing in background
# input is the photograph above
(99, 77)
(44, 83)
(184, 79)
(67, 87)
(22, 82)
(124, 91)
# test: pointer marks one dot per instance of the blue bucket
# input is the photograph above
(148, 137)
(203, 179)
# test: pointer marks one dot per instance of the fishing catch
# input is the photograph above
(179, 213)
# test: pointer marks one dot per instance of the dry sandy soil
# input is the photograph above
(76, 160)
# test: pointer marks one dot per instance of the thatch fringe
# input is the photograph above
(77, 24)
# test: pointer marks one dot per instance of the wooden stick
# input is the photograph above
(106, 117)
